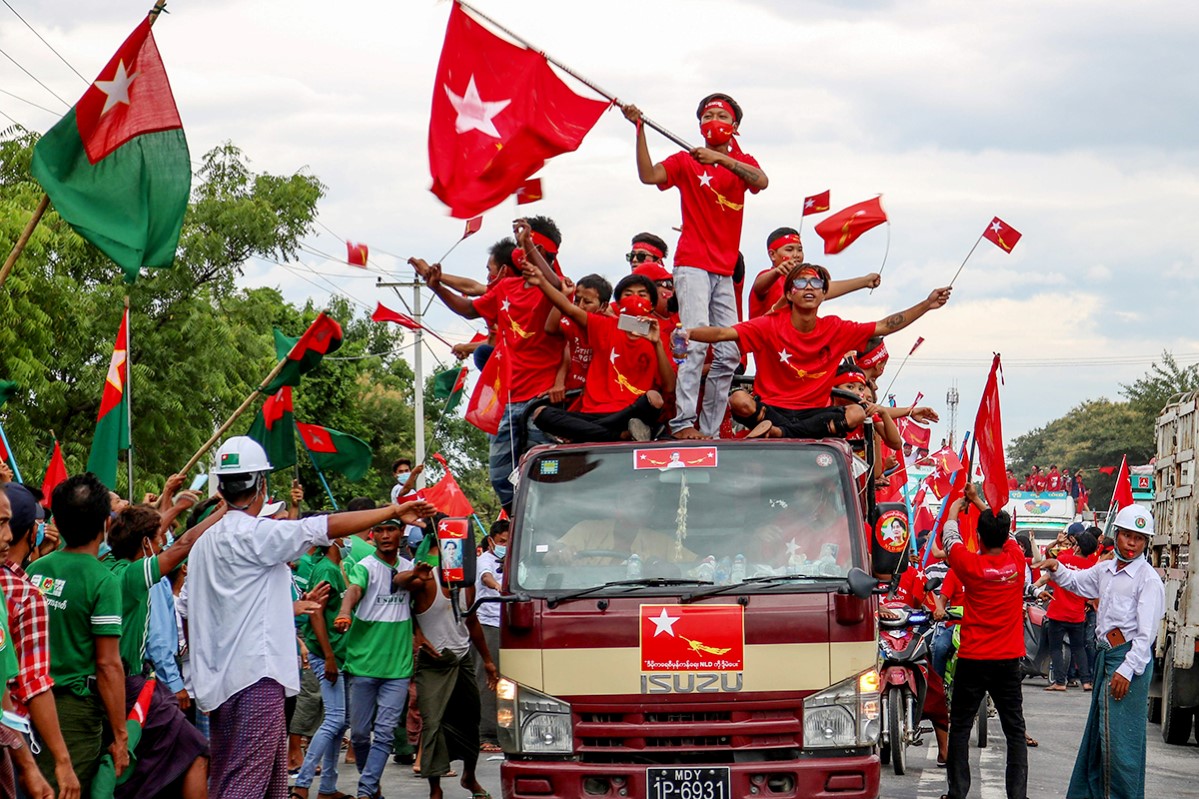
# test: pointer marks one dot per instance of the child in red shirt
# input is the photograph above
(785, 250)
(628, 371)
(796, 353)
(592, 293)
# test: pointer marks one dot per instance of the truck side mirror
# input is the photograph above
(861, 584)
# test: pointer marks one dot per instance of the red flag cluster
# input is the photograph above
(499, 112)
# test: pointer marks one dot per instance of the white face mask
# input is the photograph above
(402, 477)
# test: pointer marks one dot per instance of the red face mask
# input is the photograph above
(635, 305)
(716, 132)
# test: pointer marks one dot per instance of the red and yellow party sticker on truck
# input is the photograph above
(689, 622)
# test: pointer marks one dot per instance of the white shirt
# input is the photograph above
(488, 614)
(1131, 599)
(239, 603)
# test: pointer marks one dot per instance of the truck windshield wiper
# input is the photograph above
(644, 582)
(767, 578)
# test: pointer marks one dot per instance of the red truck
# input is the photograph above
(689, 622)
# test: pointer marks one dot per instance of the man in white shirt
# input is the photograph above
(1111, 758)
(240, 621)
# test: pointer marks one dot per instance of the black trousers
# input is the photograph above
(587, 427)
(972, 680)
(1058, 632)
(803, 423)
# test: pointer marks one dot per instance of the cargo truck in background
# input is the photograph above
(690, 622)
(1174, 698)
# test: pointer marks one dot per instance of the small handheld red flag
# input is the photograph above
(356, 254)
(490, 397)
(1122, 493)
(817, 203)
(446, 494)
(988, 436)
(473, 226)
(843, 228)
(56, 472)
(1107, 469)
(384, 314)
(1001, 234)
(915, 434)
(915, 346)
(529, 192)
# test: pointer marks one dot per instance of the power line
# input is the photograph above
(29, 102)
(39, 36)
(35, 78)
(10, 119)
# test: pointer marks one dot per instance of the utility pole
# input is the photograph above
(951, 402)
(416, 310)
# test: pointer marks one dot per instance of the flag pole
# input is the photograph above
(450, 250)
(895, 376)
(220, 431)
(589, 84)
(319, 473)
(12, 456)
(38, 212)
(886, 252)
(967, 258)
(128, 399)
(932, 535)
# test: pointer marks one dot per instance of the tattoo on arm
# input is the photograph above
(745, 172)
(894, 322)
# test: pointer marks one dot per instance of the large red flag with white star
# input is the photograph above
(499, 112)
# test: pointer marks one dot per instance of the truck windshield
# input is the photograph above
(590, 518)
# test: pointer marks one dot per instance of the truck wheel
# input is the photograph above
(899, 747)
(1176, 722)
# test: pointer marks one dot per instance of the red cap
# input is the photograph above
(653, 271)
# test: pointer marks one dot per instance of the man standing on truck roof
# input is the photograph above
(1111, 757)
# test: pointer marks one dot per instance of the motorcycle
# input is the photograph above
(905, 641)
(1035, 662)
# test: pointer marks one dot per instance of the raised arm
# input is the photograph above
(764, 281)
(898, 321)
(651, 174)
(712, 335)
(464, 285)
(170, 558)
(460, 305)
(534, 276)
(665, 366)
(354, 521)
(839, 288)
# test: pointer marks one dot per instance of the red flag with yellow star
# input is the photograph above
(112, 423)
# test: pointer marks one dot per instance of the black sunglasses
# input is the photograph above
(641, 256)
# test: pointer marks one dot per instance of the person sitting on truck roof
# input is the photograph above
(629, 371)
(1111, 755)
(797, 353)
(592, 294)
(785, 250)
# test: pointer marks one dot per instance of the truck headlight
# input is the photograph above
(531, 722)
(845, 715)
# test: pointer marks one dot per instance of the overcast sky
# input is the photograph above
(1075, 122)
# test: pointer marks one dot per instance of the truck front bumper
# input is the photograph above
(852, 777)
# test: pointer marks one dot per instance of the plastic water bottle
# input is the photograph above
(706, 569)
(678, 343)
(738, 575)
(723, 569)
(633, 567)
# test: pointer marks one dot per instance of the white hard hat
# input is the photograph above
(1135, 519)
(241, 455)
(271, 508)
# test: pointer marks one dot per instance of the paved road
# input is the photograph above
(1053, 719)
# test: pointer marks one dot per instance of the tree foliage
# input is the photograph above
(199, 344)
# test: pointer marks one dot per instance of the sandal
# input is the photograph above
(1030, 741)
(490, 747)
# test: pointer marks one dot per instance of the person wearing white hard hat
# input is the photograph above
(243, 648)
(1111, 757)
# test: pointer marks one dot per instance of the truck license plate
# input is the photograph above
(688, 783)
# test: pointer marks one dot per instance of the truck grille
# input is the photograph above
(704, 733)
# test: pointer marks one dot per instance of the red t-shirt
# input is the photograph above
(759, 307)
(797, 370)
(992, 625)
(622, 368)
(1012, 483)
(1039, 482)
(518, 313)
(911, 589)
(1068, 606)
(580, 353)
(1053, 482)
(713, 199)
(954, 593)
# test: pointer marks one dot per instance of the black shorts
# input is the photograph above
(803, 423)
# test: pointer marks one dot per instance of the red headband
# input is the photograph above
(784, 240)
(545, 243)
(851, 377)
(649, 248)
(718, 103)
(875, 356)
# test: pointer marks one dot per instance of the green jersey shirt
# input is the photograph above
(137, 577)
(83, 602)
(325, 570)
(379, 641)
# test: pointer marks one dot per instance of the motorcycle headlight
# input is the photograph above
(531, 722)
(845, 715)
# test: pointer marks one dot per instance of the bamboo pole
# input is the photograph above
(233, 418)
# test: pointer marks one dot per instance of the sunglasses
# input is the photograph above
(641, 256)
(801, 283)
(665, 284)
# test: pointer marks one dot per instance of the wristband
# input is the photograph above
(341, 618)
